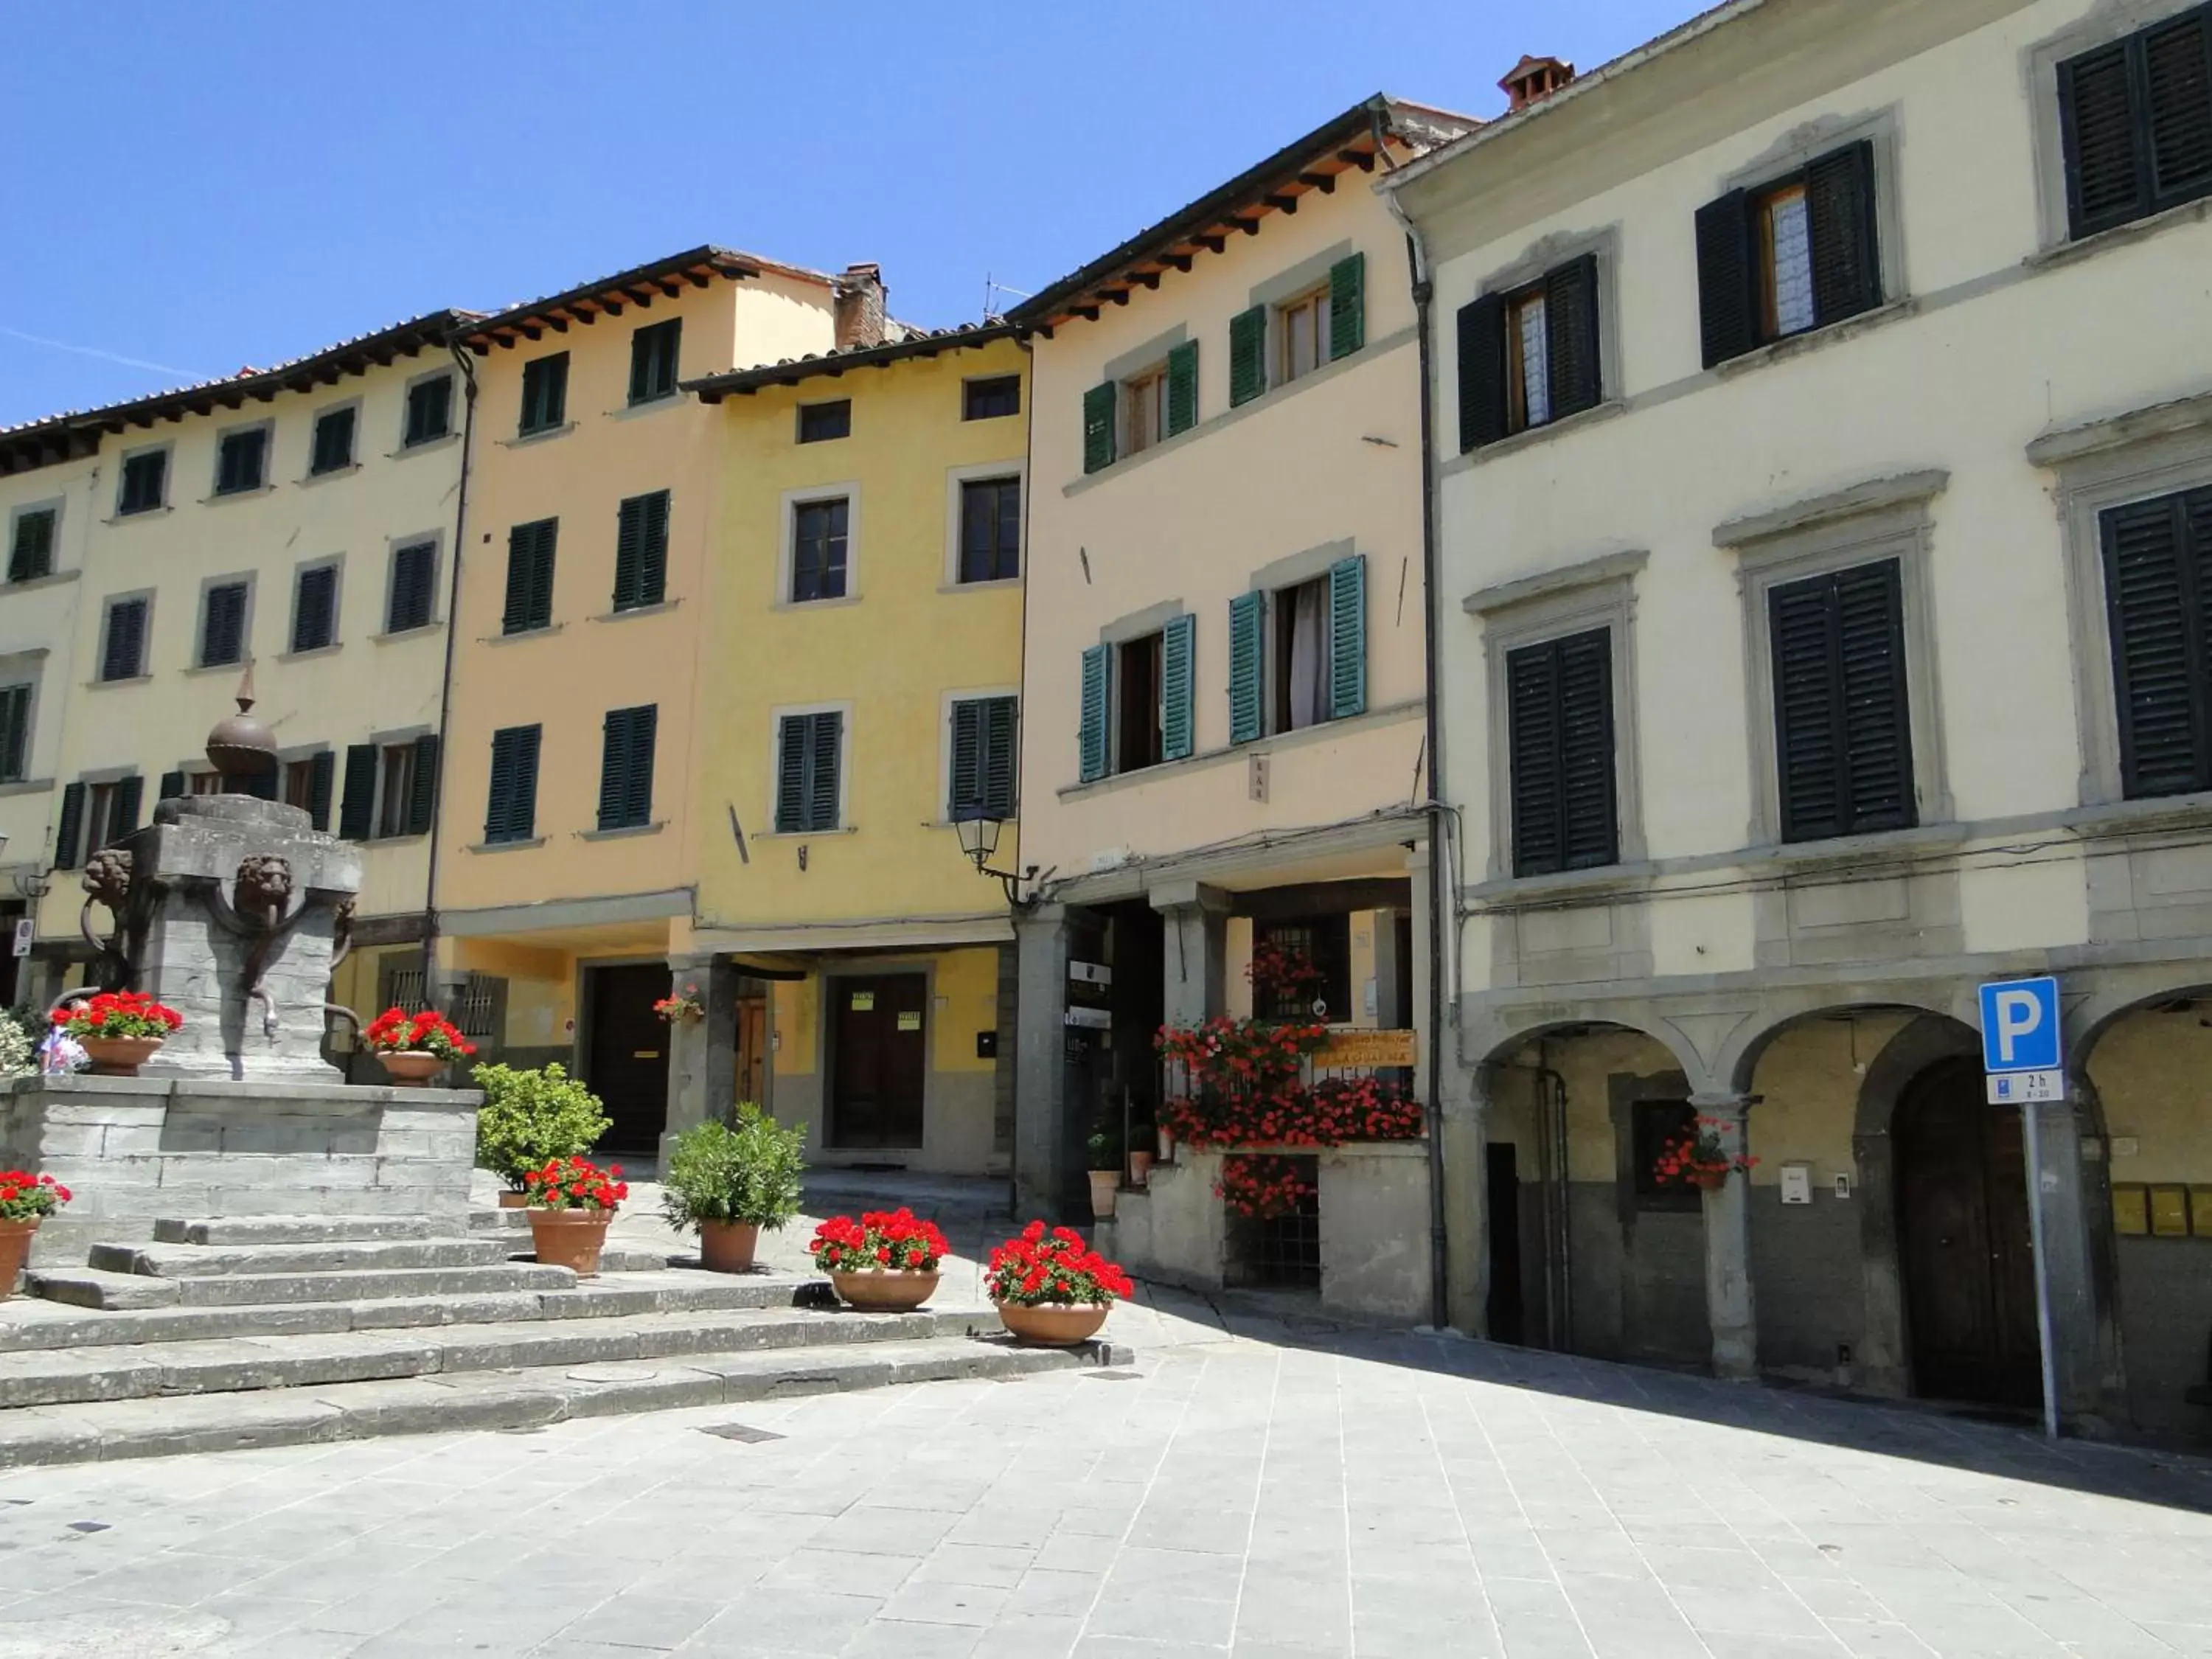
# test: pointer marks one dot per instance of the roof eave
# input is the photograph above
(743, 382)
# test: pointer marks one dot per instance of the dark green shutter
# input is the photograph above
(322, 768)
(314, 620)
(821, 758)
(967, 791)
(511, 813)
(530, 548)
(1347, 306)
(1098, 427)
(1727, 318)
(2135, 120)
(1178, 646)
(14, 732)
(1843, 737)
(413, 573)
(223, 632)
(1001, 756)
(357, 805)
(2158, 590)
(125, 657)
(1183, 387)
(653, 578)
(1347, 637)
(626, 767)
(791, 775)
(2177, 57)
(1559, 733)
(1097, 679)
(130, 800)
(423, 797)
(2106, 181)
(1247, 355)
(173, 785)
(1481, 371)
(614, 767)
(1246, 634)
(641, 552)
(69, 829)
(1840, 209)
(33, 553)
(1571, 337)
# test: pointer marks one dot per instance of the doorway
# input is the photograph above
(1964, 1251)
(752, 1049)
(1502, 1199)
(627, 1061)
(879, 1059)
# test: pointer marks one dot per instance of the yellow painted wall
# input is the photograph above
(967, 1001)
(38, 640)
(2153, 1076)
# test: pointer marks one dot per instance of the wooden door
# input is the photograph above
(626, 1061)
(1964, 1247)
(1502, 1191)
(877, 1060)
(752, 1050)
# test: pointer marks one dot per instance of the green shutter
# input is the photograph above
(1178, 642)
(1001, 756)
(1097, 681)
(129, 795)
(1347, 637)
(626, 767)
(357, 805)
(629, 552)
(1183, 387)
(1247, 629)
(422, 799)
(791, 774)
(614, 767)
(653, 574)
(173, 785)
(1347, 306)
(1098, 427)
(967, 800)
(71, 827)
(322, 768)
(822, 757)
(644, 728)
(1247, 355)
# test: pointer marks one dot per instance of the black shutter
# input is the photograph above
(1843, 733)
(413, 573)
(1001, 757)
(967, 760)
(791, 775)
(1846, 256)
(222, 637)
(129, 799)
(1560, 732)
(1726, 315)
(322, 768)
(529, 576)
(1808, 715)
(1481, 371)
(822, 771)
(2153, 595)
(1570, 328)
(637, 772)
(357, 805)
(423, 797)
(499, 801)
(653, 578)
(641, 552)
(125, 657)
(314, 621)
(2100, 129)
(1877, 722)
(70, 828)
(2177, 76)
(511, 813)
(172, 785)
(33, 553)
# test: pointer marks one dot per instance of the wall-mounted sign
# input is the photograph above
(909, 1019)
(1090, 973)
(863, 1002)
(1796, 1184)
(1346, 1049)
(26, 931)
(1093, 1019)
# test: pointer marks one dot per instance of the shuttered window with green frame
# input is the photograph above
(1347, 306)
(1093, 739)
(1178, 654)
(1248, 630)
(1247, 355)
(808, 758)
(1183, 387)
(1098, 427)
(626, 767)
(641, 552)
(984, 759)
(1347, 637)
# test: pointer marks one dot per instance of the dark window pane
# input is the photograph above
(430, 411)
(31, 555)
(333, 441)
(653, 355)
(314, 611)
(240, 460)
(820, 422)
(14, 732)
(990, 530)
(222, 631)
(818, 550)
(544, 392)
(1137, 684)
(124, 655)
(1325, 942)
(988, 400)
(414, 574)
(145, 478)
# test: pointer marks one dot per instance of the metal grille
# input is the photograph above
(476, 1011)
(1282, 1253)
(404, 989)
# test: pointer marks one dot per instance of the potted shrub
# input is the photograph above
(118, 1031)
(26, 1200)
(885, 1262)
(530, 1118)
(1051, 1288)
(415, 1047)
(1698, 1160)
(731, 1180)
(1105, 1169)
(572, 1203)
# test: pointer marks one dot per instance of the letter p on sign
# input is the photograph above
(2019, 1025)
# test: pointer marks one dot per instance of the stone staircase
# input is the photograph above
(219, 1335)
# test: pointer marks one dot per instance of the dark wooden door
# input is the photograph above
(1964, 1247)
(1502, 1192)
(752, 1050)
(877, 1060)
(627, 1063)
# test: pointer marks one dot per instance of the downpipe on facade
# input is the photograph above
(468, 368)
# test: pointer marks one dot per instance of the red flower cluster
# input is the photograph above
(1280, 974)
(684, 1007)
(1699, 1160)
(896, 1241)
(1057, 1269)
(1327, 1113)
(118, 1014)
(1262, 1186)
(576, 1183)
(395, 1031)
(27, 1197)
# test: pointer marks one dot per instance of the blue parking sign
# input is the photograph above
(2019, 1025)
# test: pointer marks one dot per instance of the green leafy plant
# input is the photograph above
(745, 1171)
(530, 1118)
(1105, 1146)
(19, 1055)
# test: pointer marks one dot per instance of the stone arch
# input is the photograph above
(1784, 1010)
(1488, 1041)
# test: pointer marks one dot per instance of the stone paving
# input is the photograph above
(1276, 1492)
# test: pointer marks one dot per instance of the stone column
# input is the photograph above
(702, 1053)
(2075, 1330)
(1467, 1206)
(1047, 1159)
(1197, 946)
(1728, 1245)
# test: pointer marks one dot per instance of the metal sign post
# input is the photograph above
(2020, 1052)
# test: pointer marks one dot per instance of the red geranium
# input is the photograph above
(1262, 1186)
(395, 1031)
(1056, 1269)
(1700, 1159)
(576, 1183)
(894, 1241)
(118, 1014)
(27, 1197)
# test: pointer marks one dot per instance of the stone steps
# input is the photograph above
(209, 1261)
(293, 1230)
(94, 1287)
(528, 1398)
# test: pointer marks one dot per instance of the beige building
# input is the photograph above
(1825, 441)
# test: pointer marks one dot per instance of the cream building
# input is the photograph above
(1824, 425)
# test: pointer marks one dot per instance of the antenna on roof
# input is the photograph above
(992, 289)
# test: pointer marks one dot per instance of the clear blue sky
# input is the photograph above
(193, 187)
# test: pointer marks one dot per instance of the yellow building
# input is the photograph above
(863, 662)
(568, 836)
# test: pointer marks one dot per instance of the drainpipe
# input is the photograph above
(468, 368)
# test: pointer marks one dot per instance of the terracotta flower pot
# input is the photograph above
(15, 1251)
(726, 1247)
(882, 1291)
(570, 1238)
(1054, 1325)
(514, 1201)
(120, 1056)
(1710, 1180)
(1102, 1183)
(1140, 1169)
(410, 1064)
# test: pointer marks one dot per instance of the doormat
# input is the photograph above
(740, 1431)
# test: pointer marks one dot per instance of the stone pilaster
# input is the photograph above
(1728, 1301)
(1048, 1147)
(1196, 941)
(702, 1053)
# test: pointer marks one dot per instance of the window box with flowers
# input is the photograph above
(572, 1202)
(26, 1200)
(1699, 1160)
(684, 1009)
(1051, 1288)
(415, 1047)
(118, 1031)
(886, 1262)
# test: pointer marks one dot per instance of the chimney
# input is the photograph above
(859, 307)
(1533, 80)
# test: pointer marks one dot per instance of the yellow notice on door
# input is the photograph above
(910, 1020)
(863, 1002)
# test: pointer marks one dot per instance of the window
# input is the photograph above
(1297, 656)
(818, 422)
(205, 783)
(1655, 1126)
(529, 576)
(1325, 942)
(652, 354)
(1144, 402)
(2158, 583)
(641, 552)
(391, 787)
(626, 767)
(545, 393)
(1529, 356)
(241, 460)
(145, 482)
(990, 530)
(510, 814)
(315, 608)
(1302, 326)
(122, 652)
(95, 816)
(1247, 355)
(1798, 254)
(411, 602)
(14, 734)
(1560, 725)
(222, 625)
(2136, 124)
(806, 767)
(305, 784)
(1137, 700)
(984, 758)
(295, 783)
(818, 549)
(333, 446)
(1842, 734)
(395, 788)
(430, 412)
(31, 550)
(991, 400)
